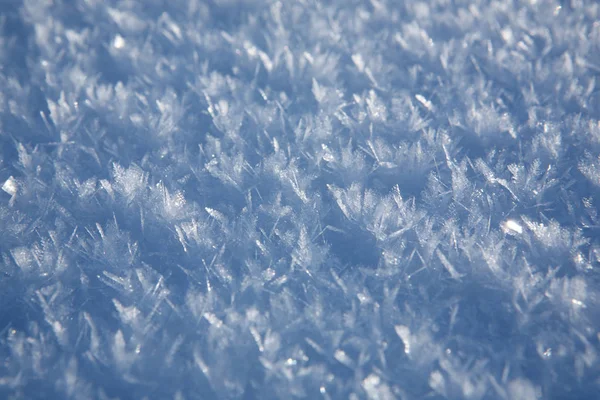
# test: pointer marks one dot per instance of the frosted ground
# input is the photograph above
(299, 199)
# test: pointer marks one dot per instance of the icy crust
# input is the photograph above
(299, 199)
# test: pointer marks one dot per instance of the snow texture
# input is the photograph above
(337, 199)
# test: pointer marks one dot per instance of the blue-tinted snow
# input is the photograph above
(299, 199)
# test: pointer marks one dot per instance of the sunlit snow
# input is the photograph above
(357, 199)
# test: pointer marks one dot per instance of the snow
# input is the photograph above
(363, 199)
(10, 186)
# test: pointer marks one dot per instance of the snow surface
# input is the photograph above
(257, 199)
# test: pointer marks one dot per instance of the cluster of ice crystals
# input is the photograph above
(363, 199)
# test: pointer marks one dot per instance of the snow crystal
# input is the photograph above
(268, 199)
(512, 227)
(404, 334)
(119, 42)
(10, 186)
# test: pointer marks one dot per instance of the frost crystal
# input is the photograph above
(10, 186)
(299, 199)
(512, 227)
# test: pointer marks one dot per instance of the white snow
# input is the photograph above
(362, 199)
(10, 186)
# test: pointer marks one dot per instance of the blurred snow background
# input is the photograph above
(346, 199)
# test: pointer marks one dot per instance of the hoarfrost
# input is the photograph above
(234, 199)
